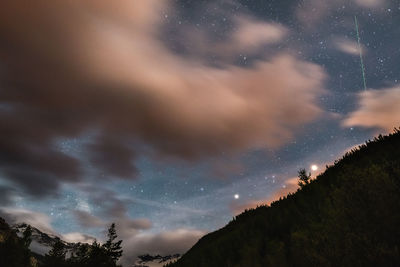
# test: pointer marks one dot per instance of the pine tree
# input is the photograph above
(98, 256)
(304, 178)
(113, 248)
(56, 256)
(13, 252)
(80, 255)
(26, 240)
(27, 237)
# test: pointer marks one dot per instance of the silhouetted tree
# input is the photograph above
(98, 256)
(26, 242)
(347, 216)
(14, 251)
(113, 248)
(80, 255)
(56, 256)
(27, 237)
(304, 178)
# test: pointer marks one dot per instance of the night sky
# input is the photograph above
(171, 117)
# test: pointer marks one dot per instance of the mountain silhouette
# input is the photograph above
(347, 216)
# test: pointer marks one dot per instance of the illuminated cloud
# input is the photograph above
(249, 37)
(6, 195)
(376, 109)
(135, 242)
(252, 33)
(76, 237)
(164, 243)
(36, 219)
(75, 67)
(85, 219)
(349, 47)
(311, 13)
(370, 3)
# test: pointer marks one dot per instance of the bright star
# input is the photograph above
(314, 167)
(236, 196)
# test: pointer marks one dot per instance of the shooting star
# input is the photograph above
(361, 56)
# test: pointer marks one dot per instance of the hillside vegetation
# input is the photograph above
(348, 216)
(15, 252)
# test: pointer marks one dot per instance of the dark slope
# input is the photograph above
(348, 216)
(14, 251)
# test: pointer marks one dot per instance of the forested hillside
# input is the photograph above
(15, 252)
(348, 216)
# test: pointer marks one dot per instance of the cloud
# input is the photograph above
(246, 36)
(251, 34)
(6, 195)
(370, 3)
(36, 219)
(75, 67)
(349, 47)
(137, 233)
(78, 237)
(376, 109)
(104, 153)
(87, 220)
(141, 224)
(126, 225)
(135, 241)
(164, 243)
(311, 13)
(111, 207)
(43, 223)
(109, 201)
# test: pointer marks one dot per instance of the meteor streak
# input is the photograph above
(361, 57)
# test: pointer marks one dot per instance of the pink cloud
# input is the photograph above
(102, 65)
(376, 109)
(164, 243)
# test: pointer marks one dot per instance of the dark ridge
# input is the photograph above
(347, 216)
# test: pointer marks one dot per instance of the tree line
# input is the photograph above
(347, 216)
(15, 252)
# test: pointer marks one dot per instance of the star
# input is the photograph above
(314, 167)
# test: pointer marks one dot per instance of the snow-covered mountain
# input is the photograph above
(41, 242)
(155, 261)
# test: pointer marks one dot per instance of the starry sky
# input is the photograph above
(170, 117)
